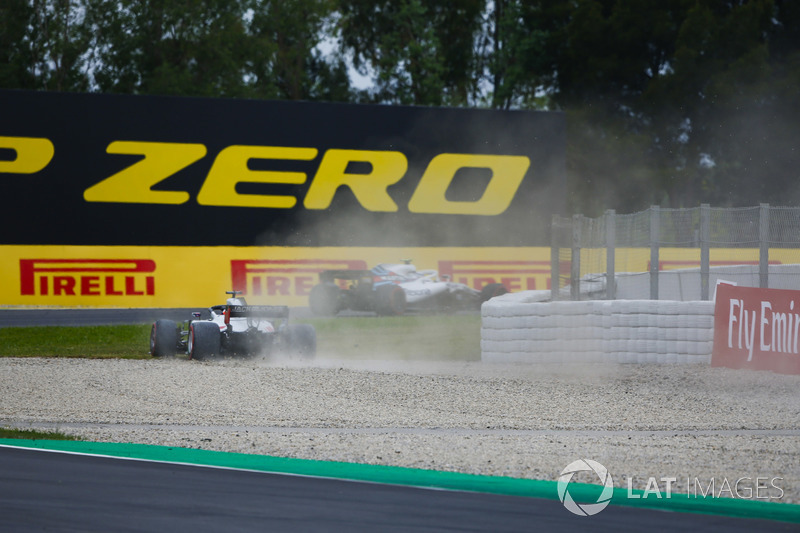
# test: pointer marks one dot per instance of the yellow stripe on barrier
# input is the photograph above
(142, 276)
(172, 276)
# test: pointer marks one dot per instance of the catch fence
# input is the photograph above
(674, 254)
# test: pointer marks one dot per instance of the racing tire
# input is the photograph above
(491, 290)
(390, 300)
(204, 340)
(164, 338)
(301, 340)
(324, 299)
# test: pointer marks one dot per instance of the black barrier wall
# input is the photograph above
(94, 169)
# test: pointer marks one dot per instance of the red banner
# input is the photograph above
(757, 329)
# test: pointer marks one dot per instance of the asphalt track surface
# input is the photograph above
(44, 490)
(56, 491)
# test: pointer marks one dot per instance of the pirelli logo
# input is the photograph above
(284, 277)
(515, 275)
(87, 277)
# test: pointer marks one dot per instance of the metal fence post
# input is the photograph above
(611, 244)
(655, 234)
(705, 244)
(763, 246)
(575, 270)
(555, 265)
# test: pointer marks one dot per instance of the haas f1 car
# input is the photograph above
(234, 329)
(392, 289)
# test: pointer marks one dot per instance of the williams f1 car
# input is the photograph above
(234, 329)
(393, 289)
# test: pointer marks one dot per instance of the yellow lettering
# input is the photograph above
(133, 184)
(507, 174)
(369, 189)
(33, 154)
(230, 168)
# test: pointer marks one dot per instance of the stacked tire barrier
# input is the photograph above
(518, 328)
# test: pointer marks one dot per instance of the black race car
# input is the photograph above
(234, 329)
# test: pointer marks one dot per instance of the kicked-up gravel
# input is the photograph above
(708, 428)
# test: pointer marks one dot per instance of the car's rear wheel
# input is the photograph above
(204, 340)
(324, 299)
(390, 300)
(301, 340)
(164, 338)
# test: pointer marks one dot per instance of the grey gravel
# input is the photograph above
(693, 423)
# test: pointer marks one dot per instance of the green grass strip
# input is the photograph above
(31, 434)
(423, 337)
(394, 475)
(99, 342)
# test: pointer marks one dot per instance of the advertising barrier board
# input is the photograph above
(756, 329)
(112, 170)
(171, 276)
(190, 276)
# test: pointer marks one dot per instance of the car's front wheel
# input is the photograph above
(204, 340)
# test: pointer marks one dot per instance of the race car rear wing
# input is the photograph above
(258, 311)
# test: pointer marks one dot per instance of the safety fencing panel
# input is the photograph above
(681, 250)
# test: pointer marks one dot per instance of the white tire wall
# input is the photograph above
(596, 331)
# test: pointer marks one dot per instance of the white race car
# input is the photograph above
(234, 329)
(392, 289)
